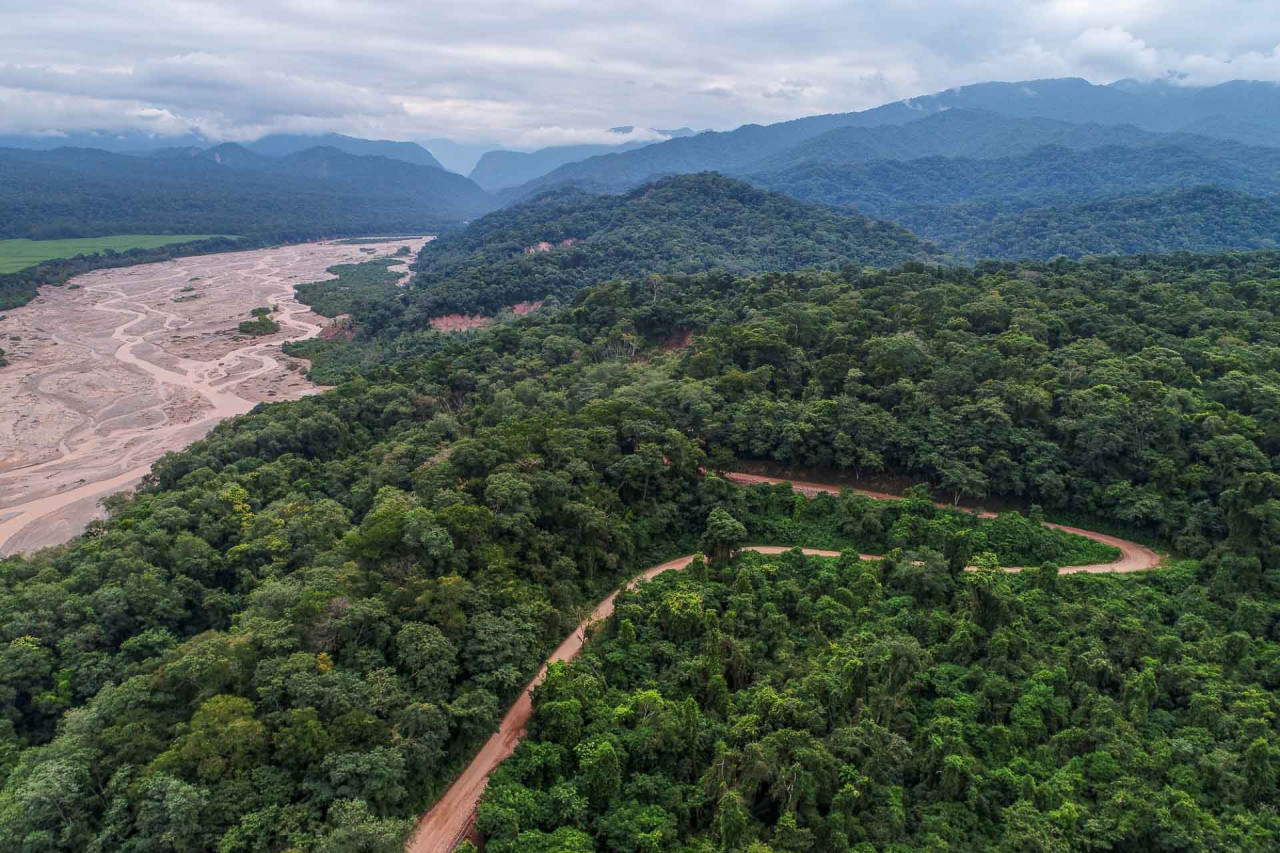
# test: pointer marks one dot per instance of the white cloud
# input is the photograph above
(542, 137)
(559, 71)
(1114, 52)
(1201, 70)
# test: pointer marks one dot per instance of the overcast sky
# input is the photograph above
(553, 71)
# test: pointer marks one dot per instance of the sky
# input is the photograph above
(547, 72)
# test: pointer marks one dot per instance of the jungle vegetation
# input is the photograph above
(302, 626)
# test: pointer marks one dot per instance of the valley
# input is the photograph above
(119, 367)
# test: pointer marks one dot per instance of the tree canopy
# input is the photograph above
(302, 626)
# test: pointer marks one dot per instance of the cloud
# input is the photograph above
(1114, 52)
(560, 71)
(789, 89)
(543, 137)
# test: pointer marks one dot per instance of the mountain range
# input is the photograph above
(227, 189)
(1004, 169)
(1242, 111)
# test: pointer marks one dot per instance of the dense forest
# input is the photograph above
(354, 289)
(792, 704)
(303, 625)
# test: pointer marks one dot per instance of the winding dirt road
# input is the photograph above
(1133, 557)
(452, 818)
(119, 367)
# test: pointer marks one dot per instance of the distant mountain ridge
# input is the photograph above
(275, 145)
(1195, 219)
(500, 169)
(282, 145)
(1240, 110)
(227, 189)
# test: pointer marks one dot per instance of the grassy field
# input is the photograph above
(20, 254)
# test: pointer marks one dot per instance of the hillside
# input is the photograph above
(555, 244)
(84, 192)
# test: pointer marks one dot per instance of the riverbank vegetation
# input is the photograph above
(261, 323)
(355, 286)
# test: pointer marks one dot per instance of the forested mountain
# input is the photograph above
(276, 145)
(1056, 199)
(878, 187)
(1200, 219)
(558, 243)
(116, 141)
(500, 169)
(1241, 110)
(281, 145)
(306, 622)
(975, 134)
(71, 192)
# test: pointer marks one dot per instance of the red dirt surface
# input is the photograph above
(677, 340)
(522, 308)
(448, 822)
(463, 322)
(460, 322)
(338, 330)
(546, 246)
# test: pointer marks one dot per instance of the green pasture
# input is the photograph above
(20, 254)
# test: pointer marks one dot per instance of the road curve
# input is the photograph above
(1133, 557)
(449, 821)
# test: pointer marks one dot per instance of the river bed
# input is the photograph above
(118, 367)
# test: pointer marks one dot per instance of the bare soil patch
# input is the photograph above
(463, 322)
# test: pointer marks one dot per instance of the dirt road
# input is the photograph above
(1133, 557)
(118, 367)
(450, 820)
